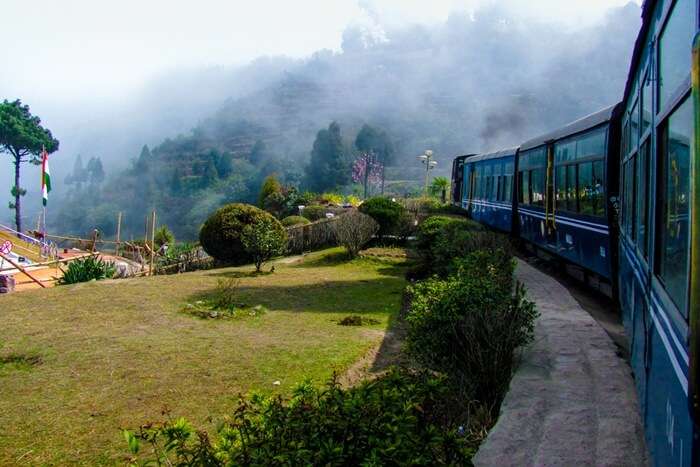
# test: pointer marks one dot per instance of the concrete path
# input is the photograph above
(572, 401)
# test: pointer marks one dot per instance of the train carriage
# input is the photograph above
(487, 194)
(567, 192)
(655, 272)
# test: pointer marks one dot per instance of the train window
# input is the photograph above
(646, 104)
(591, 144)
(625, 144)
(537, 187)
(634, 127)
(560, 188)
(508, 188)
(628, 211)
(524, 184)
(673, 230)
(674, 49)
(643, 199)
(590, 188)
(565, 151)
(571, 190)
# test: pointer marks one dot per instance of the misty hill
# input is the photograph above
(471, 84)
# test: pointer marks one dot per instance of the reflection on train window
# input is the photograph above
(524, 184)
(591, 194)
(560, 188)
(674, 49)
(643, 199)
(537, 187)
(571, 190)
(673, 229)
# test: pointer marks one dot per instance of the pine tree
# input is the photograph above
(329, 167)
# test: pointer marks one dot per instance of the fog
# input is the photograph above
(455, 77)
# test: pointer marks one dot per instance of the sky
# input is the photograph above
(86, 49)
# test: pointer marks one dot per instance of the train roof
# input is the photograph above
(647, 12)
(582, 124)
(493, 155)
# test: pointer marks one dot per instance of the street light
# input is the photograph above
(427, 160)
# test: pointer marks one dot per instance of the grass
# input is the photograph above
(115, 354)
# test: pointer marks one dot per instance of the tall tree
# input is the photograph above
(144, 160)
(372, 140)
(329, 166)
(96, 173)
(22, 137)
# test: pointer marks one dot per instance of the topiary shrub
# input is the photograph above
(386, 212)
(315, 212)
(264, 239)
(470, 325)
(87, 269)
(295, 220)
(220, 235)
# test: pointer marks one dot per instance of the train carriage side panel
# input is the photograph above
(490, 198)
(655, 264)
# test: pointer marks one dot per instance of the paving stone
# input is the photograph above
(572, 401)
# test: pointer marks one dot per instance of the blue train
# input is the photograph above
(616, 195)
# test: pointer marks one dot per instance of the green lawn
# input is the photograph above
(114, 354)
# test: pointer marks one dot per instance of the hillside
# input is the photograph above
(468, 85)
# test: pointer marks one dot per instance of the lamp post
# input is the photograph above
(427, 160)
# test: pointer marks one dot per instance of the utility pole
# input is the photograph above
(119, 231)
(427, 160)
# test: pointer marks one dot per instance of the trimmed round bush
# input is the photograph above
(220, 236)
(315, 212)
(385, 212)
(295, 220)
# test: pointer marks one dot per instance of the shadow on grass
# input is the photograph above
(325, 296)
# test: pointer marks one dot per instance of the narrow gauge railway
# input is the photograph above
(617, 195)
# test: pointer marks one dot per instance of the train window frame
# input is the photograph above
(660, 211)
(667, 102)
(642, 204)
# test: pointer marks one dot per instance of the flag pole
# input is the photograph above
(43, 204)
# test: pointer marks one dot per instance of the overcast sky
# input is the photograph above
(60, 50)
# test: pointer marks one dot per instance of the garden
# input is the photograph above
(249, 365)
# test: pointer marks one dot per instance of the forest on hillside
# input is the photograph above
(471, 84)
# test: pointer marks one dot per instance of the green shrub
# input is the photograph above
(163, 235)
(220, 236)
(385, 211)
(441, 239)
(295, 220)
(470, 325)
(315, 212)
(87, 269)
(269, 187)
(398, 419)
(264, 239)
(331, 198)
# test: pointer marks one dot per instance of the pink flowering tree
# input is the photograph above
(367, 170)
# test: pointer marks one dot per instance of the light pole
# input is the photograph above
(427, 160)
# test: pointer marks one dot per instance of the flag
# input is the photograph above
(45, 176)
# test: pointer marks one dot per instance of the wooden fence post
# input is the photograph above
(153, 240)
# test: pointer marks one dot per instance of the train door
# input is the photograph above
(550, 222)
